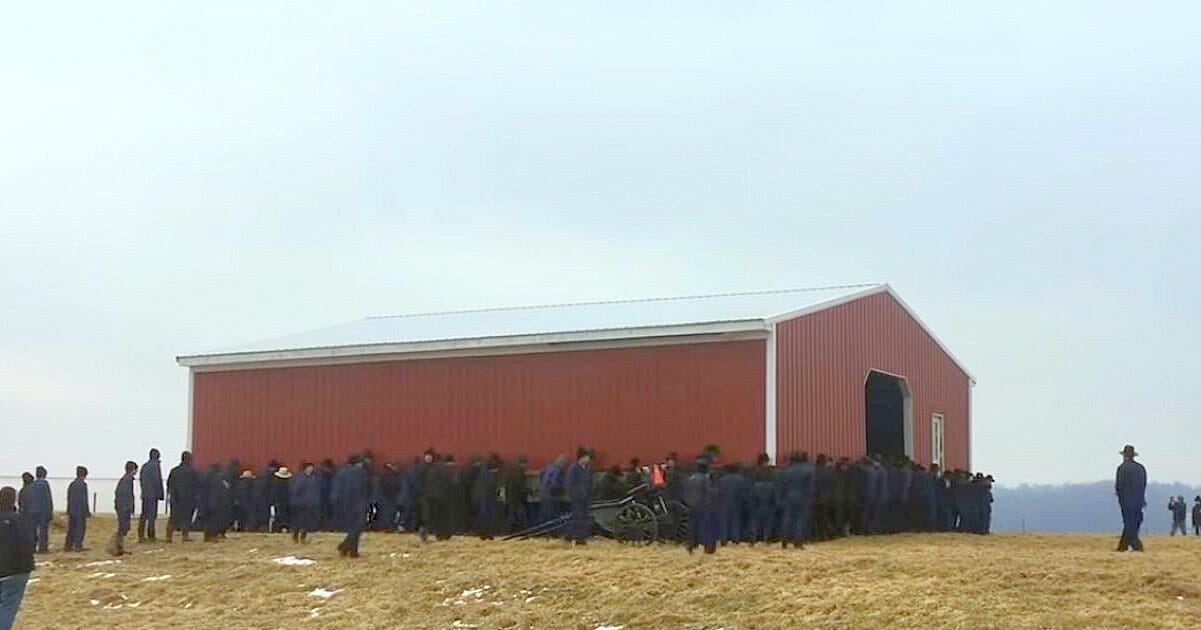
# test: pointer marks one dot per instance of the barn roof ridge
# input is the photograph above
(530, 307)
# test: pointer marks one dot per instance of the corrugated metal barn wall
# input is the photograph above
(624, 402)
(822, 364)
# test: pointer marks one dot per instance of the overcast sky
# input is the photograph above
(180, 178)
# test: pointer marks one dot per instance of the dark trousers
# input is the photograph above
(355, 520)
(763, 522)
(12, 591)
(77, 526)
(123, 520)
(41, 524)
(580, 525)
(794, 523)
(147, 518)
(703, 526)
(549, 510)
(731, 523)
(1132, 520)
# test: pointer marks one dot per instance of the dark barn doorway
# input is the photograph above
(886, 397)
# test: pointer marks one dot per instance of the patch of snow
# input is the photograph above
(32, 580)
(253, 550)
(103, 576)
(293, 561)
(158, 578)
(473, 592)
(405, 555)
(531, 598)
(94, 602)
(314, 612)
(100, 563)
(320, 592)
(610, 628)
(134, 605)
(113, 606)
(460, 624)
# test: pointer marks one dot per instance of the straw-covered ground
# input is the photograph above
(890, 582)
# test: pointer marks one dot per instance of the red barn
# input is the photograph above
(838, 370)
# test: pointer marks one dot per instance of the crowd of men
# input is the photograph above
(799, 501)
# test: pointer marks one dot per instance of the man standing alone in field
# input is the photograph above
(1131, 488)
(1179, 509)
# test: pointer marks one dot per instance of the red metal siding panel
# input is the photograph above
(822, 364)
(625, 402)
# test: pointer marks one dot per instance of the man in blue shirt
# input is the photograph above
(1131, 488)
(77, 511)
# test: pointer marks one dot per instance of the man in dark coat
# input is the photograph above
(78, 512)
(304, 501)
(550, 490)
(845, 491)
(218, 504)
(353, 496)
(763, 501)
(17, 541)
(485, 507)
(1179, 510)
(151, 483)
(436, 499)
(243, 496)
(734, 492)
(278, 489)
(704, 505)
(417, 475)
(1131, 488)
(23, 493)
(41, 508)
(182, 487)
(325, 475)
(822, 521)
(262, 496)
(123, 504)
(516, 495)
(579, 487)
(795, 497)
(387, 493)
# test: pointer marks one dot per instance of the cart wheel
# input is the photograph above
(673, 526)
(635, 524)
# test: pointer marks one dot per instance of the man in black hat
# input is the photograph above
(1131, 488)
(579, 486)
(182, 492)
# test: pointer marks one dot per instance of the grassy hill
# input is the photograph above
(910, 581)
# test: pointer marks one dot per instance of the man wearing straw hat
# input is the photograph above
(1131, 488)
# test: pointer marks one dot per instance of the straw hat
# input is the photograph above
(283, 473)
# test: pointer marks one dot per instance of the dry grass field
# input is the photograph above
(953, 581)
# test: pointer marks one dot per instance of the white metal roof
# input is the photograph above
(549, 324)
